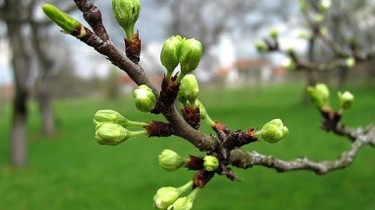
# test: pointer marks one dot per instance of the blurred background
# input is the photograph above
(51, 84)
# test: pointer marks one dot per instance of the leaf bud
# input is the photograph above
(350, 62)
(346, 99)
(170, 160)
(62, 19)
(144, 98)
(169, 54)
(189, 55)
(111, 134)
(210, 163)
(319, 95)
(325, 5)
(126, 13)
(273, 131)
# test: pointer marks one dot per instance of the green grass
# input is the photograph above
(71, 171)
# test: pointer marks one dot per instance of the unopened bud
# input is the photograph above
(111, 134)
(210, 163)
(319, 95)
(325, 5)
(273, 131)
(260, 46)
(111, 116)
(350, 62)
(144, 98)
(169, 54)
(346, 99)
(166, 196)
(289, 64)
(274, 33)
(184, 203)
(126, 13)
(170, 160)
(189, 88)
(190, 54)
(62, 19)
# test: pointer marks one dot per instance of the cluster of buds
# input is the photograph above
(178, 50)
(170, 198)
(268, 44)
(320, 97)
(111, 127)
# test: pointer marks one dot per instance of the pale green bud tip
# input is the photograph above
(289, 64)
(190, 54)
(184, 203)
(165, 197)
(274, 33)
(325, 5)
(273, 131)
(62, 19)
(144, 98)
(346, 99)
(110, 134)
(189, 88)
(107, 115)
(260, 46)
(169, 53)
(319, 95)
(210, 163)
(170, 160)
(126, 13)
(350, 62)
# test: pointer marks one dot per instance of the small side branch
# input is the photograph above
(246, 159)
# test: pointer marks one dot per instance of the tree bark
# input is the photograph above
(21, 61)
(43, 94)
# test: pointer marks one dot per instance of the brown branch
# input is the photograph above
(245, 159)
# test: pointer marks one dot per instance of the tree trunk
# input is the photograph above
(43, 94)
(21, 63)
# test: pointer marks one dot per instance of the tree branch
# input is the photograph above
(245, 159)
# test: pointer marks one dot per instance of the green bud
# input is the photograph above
(189, 55)
(325, 5)
(170, 160)
(318, 18)
(210, 163)
(184, 203)
(273, 131)
(189, 88)
(289, 64)
(324, 31)
(346, 99)
(126, 13)
(111, 134)
(62, 19)
(166, 196)
(274, 33)
(169, 54)
(350, 62)
(203, 113)
(260, 46)
(319, 95)
(144, 98)
(111, 116)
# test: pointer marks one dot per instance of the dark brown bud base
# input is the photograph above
(168, 94)
(133, 48)
(194, 163)
(330, 119)
(160, 129)
(239, 138)
(202, 177)
(192, 116)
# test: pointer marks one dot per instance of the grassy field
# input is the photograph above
(71, 171)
